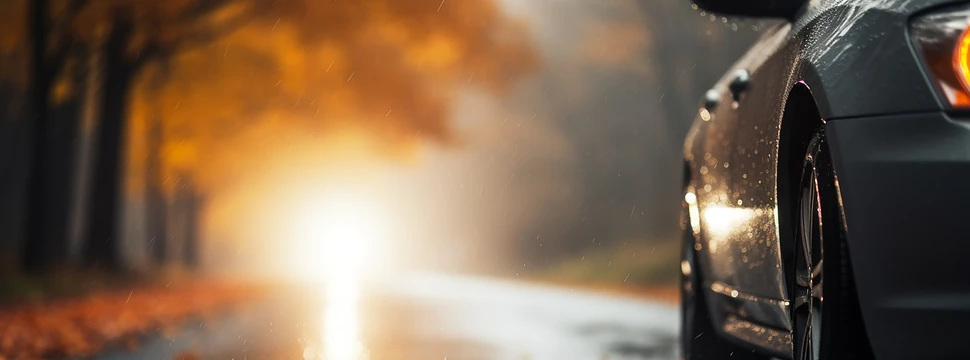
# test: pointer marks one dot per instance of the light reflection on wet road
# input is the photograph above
(428, 317)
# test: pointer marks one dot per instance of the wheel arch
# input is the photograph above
(800, 120)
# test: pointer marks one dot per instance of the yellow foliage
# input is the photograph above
(12, 15)
(380, 69)
(12, 41)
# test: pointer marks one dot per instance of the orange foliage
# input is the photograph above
(386, 70)
(12, 42)
(81, 327)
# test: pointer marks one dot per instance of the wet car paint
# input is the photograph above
(855, 59)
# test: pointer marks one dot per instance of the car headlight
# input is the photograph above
(943, 40)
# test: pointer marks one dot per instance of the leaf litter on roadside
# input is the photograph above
(80, 327)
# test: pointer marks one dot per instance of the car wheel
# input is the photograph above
(824, 307)
(699, 340)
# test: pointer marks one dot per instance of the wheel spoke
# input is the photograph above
(801, 301)
(805, 346)
(802, 278)
(816, 243)
(807, 220)
(816, 331)
(817, 271)
(808, 265)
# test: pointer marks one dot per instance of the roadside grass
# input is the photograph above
(649, 270)
(22, 288)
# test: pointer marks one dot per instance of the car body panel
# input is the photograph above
(905, 214)
(857, 60)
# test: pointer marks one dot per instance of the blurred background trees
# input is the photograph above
(127, 128)
(178, 80)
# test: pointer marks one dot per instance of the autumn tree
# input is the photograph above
(13, 134)
(54, 66)
(62, 35)
(385, 68)
(140, 33)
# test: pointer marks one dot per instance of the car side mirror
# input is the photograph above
(787, 9)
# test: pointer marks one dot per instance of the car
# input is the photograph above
(825, 214)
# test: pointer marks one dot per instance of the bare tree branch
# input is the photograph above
(203, 9)
(61, 37)
(56, 61)
(74, 6)
(155, 49)
(189, 20)
(213, 33)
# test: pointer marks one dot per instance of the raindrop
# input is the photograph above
(705, 115)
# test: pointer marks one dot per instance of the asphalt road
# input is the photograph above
(426, 317)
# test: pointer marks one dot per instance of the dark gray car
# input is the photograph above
(824, 211)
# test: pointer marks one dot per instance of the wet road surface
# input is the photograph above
(426, 317)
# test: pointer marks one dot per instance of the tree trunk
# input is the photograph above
(62, 140)
(185, 212)
(191, 247)
(102, 246)
(14, 142)
(84, 158)
(40, 252)
(158, 244)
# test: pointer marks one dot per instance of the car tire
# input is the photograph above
(833, 328)
(699, 339)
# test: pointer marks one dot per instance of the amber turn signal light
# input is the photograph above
(943, 41)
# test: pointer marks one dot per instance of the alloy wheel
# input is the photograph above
(807, 299)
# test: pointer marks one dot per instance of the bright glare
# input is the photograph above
(337, 234)
(720, 222)
(341, 321)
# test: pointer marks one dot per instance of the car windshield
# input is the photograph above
(370, 179)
